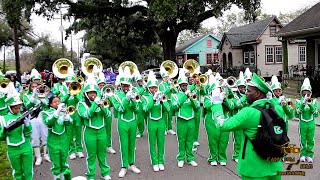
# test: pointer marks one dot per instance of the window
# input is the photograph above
(215, 58)
(269, 54)
(302, 54)
(209, 58)
(246, 57)
(273, 30)
(278, 50)
(209, 43)
(252, 57)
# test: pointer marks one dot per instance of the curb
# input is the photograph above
(296, 119)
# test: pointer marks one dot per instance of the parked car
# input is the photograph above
(155, 70)
(13, 72)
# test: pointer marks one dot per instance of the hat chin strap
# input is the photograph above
(10, 109)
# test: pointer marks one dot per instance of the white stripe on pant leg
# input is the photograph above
(85, 144)
(149, 143)
(122, 165)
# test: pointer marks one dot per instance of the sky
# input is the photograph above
(42, 26)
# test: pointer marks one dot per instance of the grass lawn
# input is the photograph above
(5, 169)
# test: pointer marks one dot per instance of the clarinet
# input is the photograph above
(34, 111)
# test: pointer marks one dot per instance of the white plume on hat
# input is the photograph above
(247, 74)
(274, 79)
(212, 79)
(13, 97)
(209, 72)
(306, 85)
(163, 72)
(182, 78)
(218, 77)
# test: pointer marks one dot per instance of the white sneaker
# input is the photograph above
(46, 157)
(138, 136)
(302, 159)
(194, 149)
(38, 161)
(111, 150)
(193, 163)
(106, 177)
(214, 163)
(223, 163)
(155, 168)
(196, 143)
(56, 177)
(134, 169)
(80, 154)
(171, 132)
(165, 132)
(180, 164)
(161, 167)
(236, 160)
(73, 156)
(309, 160)
(122, 172)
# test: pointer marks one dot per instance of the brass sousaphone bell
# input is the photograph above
(4, 83)
(61, 68)
(74, 88)
(88, 65)
(171, 68)
(132, 66)
(191, 66)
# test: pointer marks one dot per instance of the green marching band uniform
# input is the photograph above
(94, 133)
(127, 106)
(141, 90)
(155, 106)
(19, 148)
(56, 120)
(306, 112)
(186, 108)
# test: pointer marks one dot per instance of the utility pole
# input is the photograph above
(4, 59)
(61, 29)
(71, 49)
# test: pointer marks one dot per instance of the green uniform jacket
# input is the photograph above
(125, 107)
(306, 112)
(17, 136)
(154, 109)
(93, 116)
(56, 125)
(251, 165)
(186, 107)
(3, 105)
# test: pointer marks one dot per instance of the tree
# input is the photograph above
(166, 18)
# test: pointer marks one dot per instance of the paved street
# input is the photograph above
(204, 171)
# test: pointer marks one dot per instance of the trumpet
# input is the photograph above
(308, 99)
(174, 82)
(195, 76)
(74, 88)
(70, 110)
(133, 96)
(161, 97)
(105, 103)
(193, 96)
(289, 103)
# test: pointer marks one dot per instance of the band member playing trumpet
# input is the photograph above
(140, 89)
(40, 130)
(155, 103)
(71, 98)
(19, 149)
(282, 105)
(57, 119)
(126, 103)
(94, 114)
(186, 104)
(307, 112)
(167, 88)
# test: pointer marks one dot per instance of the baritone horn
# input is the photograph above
(171, 68)
(203, 79)
(74, 88)
(108, 90)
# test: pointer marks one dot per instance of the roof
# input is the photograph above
(306, 22)
(189, 43)
(249, 32)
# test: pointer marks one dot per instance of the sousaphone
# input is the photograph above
(132, 66)
(191, 66)
(88, 65)
(171, 68)
(61, 68)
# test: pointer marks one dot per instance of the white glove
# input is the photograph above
(223, 95)
(43, 100)
(220, 121)
(129, 94)
(32, 99)
(269, 95)
(281, 100)
(60, 107)
(35, 92)
(187, 92)
(97, 100)
(26, 120)
(156, 95)
(216, 98)
(66, 117)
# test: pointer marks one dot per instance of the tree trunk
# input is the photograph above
(169, 40)
(16, 52)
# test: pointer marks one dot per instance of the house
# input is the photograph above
(305, 27)
(255, 46)
(202, 48)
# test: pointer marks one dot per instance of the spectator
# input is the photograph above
(50, 80)
(16, 83)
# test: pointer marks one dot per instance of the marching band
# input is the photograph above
(76, 111)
